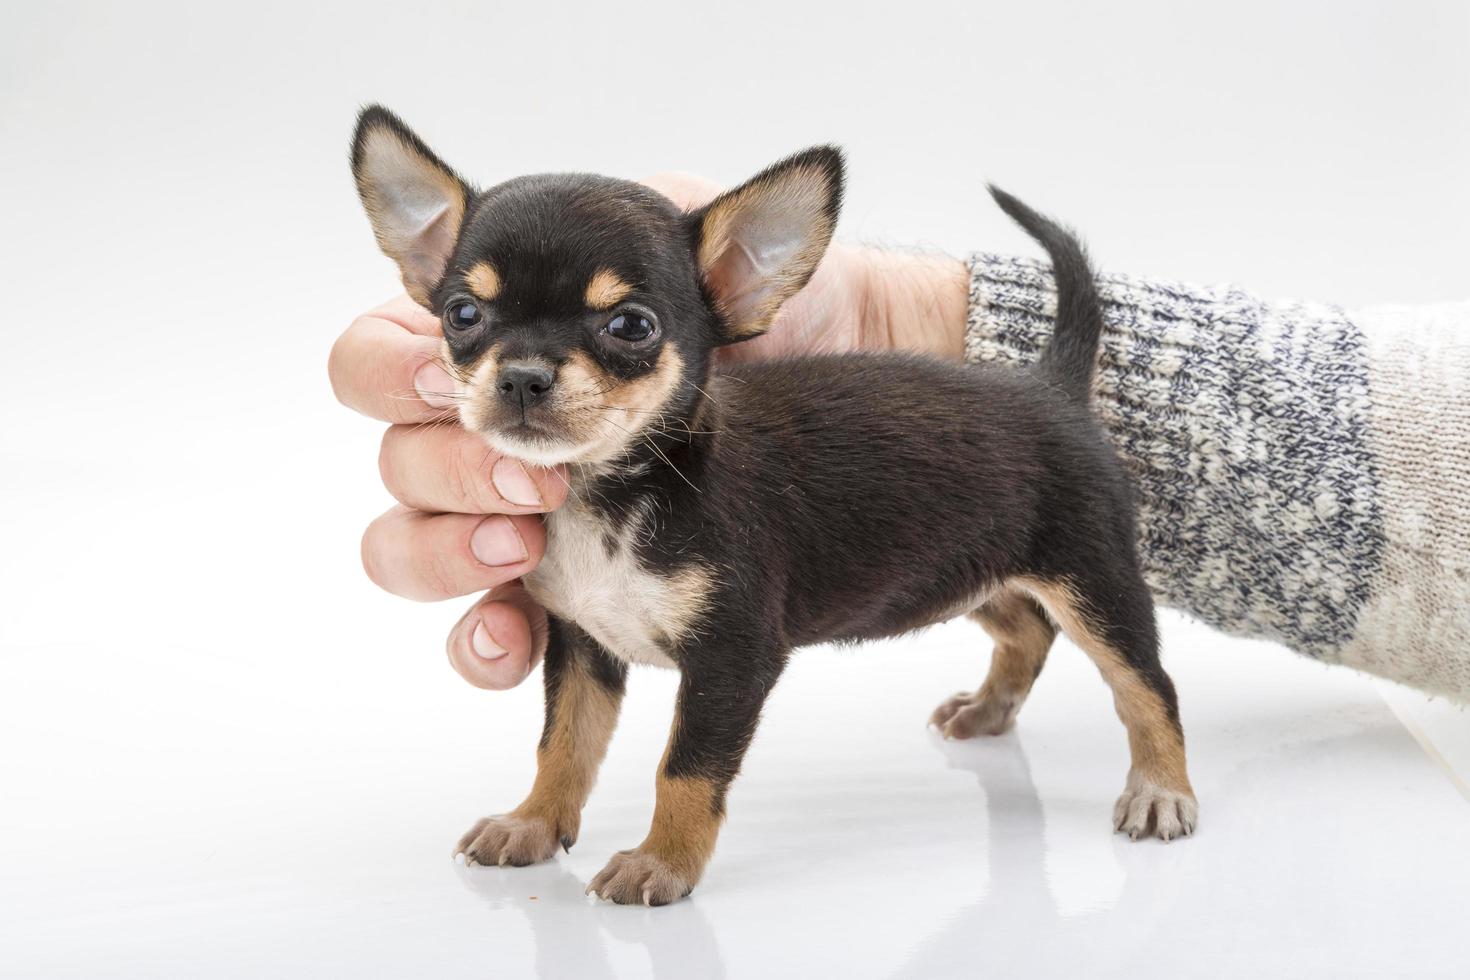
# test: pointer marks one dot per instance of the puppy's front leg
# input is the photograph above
(584, 692)
(719, 706)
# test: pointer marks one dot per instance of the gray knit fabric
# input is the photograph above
(1261, 452)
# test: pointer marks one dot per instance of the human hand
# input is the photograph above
(467, 518)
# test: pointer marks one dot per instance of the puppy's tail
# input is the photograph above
(1072, 353)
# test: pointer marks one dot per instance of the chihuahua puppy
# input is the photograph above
(722, 517)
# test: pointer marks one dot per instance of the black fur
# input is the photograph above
(833, 498)
(1073, 350)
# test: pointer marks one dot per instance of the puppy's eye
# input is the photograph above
(463, 315)
(630, 325)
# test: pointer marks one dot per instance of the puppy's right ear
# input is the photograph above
(415, 202)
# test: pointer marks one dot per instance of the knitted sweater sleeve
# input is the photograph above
(1303, 473)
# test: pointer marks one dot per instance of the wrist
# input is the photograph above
(914, 302)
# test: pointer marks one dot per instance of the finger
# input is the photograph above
(500, 640)
(439, 556)
(687, 191)
(387, 365)
(445, 469)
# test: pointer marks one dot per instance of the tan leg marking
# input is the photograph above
(1022, 638)
(566, 767)
(671, 859)
(1157, 798)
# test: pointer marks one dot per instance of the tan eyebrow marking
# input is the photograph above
(605, 289)
(483, 280)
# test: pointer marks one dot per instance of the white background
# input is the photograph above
(222, 751)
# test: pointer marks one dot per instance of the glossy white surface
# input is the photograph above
(261, 830)
(224, 754)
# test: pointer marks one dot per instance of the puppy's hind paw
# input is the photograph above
(1147, 809)
(968, 714)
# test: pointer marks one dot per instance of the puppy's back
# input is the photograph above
(952, 474)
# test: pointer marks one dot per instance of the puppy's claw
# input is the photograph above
(637, 877)
(509, 840)
(1147, 809)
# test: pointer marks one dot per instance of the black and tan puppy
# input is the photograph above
(721, 518)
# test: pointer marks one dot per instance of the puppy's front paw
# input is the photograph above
(969, 714)
(1149, 809)
(508, 839)
(637, 877)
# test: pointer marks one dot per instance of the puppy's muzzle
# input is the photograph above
(524, 384)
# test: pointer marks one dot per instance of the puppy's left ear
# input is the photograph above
(415, 202)
(760, 243)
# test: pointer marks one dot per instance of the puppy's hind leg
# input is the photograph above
(1107, 612)
(1022, 635)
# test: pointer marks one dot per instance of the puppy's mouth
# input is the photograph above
(535, 440)
(524, 429)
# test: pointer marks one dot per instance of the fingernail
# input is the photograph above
(434, 385)
(514, 484)
(485, 646)
(497, 542)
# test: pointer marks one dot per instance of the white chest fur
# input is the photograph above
(636, 614)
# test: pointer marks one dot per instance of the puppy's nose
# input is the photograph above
(524, 383)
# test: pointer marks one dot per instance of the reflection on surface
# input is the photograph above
(570, 929)
(878, 863)
(1192, 906)
(1001, 930)
(858, 847)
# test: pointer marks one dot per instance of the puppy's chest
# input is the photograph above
(591, 576)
